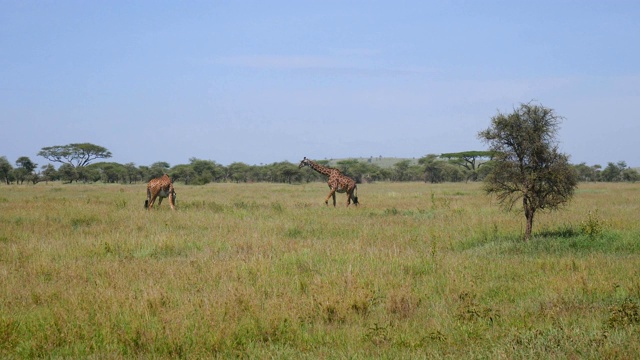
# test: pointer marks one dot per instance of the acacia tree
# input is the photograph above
(433, 168)
(76, 155)
(470, 160)
(527, 163)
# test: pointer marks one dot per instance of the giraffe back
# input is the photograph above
(160, 188)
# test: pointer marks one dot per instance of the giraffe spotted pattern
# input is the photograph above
(338, 182)
(161, 188)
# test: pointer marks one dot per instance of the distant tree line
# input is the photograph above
(76, 166)
(523, 165)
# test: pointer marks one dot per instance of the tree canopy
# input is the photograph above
(25, 163)
(527, 165)
(5, 170)
(469, 159)
(76, 155)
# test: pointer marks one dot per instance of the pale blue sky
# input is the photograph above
(267, 81)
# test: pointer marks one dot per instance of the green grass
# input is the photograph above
(268, 271)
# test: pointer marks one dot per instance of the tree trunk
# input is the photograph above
(527, 232)
(529, 211)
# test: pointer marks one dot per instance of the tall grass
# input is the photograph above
(264, 270)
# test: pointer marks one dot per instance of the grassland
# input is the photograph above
(267, 271)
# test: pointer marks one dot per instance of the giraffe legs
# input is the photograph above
(352, 195)
(350, 192)
(148, 204)
(332, 193)
(153, 200)
(161, 188)
(172, 201)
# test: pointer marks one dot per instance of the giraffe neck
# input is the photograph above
(321, 169)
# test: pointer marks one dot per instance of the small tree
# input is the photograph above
(25, 163)
(133, 173)
(183, 173)
(76, 155)
(527, 163)
(287, 172)
(631, 175)
(619, 172)
(433, 168)
(67, 173)
(585, 172)
(48, 173)
(400, 170)
(25, 170)
(206, 171)
(238, 172)
(157, 169)
(6, 170)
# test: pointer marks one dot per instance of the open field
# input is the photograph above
(267, 271)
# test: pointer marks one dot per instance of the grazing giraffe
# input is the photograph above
(337, 182)
(161, 188)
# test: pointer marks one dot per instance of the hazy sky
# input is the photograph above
(267, 81)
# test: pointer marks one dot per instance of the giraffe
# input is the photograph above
(337, 182)
(160, 188)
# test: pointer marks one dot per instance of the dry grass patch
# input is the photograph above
(266, 270)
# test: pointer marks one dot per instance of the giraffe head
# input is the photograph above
(304, 162)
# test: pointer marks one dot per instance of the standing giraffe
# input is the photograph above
(160, 188)
(337, 182)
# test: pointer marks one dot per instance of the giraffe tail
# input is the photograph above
(146, 202)
(355, 196)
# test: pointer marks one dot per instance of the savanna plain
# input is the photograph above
(268, 271)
